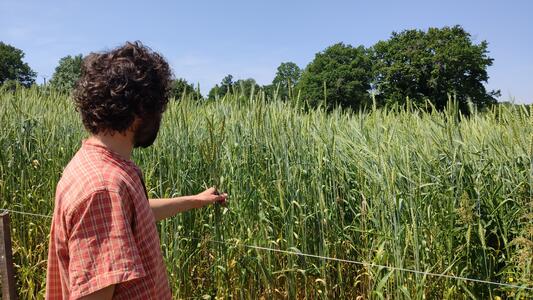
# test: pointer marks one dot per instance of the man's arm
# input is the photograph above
(102, 253)
(103, 294)
(165, 208)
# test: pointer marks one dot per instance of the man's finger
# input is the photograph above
(221, 197)
(212, 190)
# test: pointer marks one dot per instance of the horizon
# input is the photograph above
(250, 40)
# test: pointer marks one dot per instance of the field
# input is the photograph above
(434, 192)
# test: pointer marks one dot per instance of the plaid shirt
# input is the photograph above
(103, 231)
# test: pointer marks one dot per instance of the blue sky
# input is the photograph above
(205, 40)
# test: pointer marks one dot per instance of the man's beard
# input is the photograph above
(145, 134)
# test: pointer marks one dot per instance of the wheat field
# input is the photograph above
(429, 191)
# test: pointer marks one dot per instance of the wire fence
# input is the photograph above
(341, 260)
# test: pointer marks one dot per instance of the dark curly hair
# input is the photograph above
(118, 85)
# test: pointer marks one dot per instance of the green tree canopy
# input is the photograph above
(431, 65)
(219, 91)
(341, 74)
(13, 68)
(227, 85)
(246, 86)
(287, 76)
(214, 93)
(67, 72)
(181, 86)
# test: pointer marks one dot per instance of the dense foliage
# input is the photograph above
(67, 73)
(13, 68)
(182, 88)
(246, 87)
(338, 76)
(424, 68)
(431, 66)
(287, 76)
(429, 191)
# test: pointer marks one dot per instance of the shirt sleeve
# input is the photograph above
(102, 247)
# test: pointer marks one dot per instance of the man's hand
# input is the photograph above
(165, 208)
(209, 196)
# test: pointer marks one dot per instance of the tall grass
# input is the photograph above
(433, 192)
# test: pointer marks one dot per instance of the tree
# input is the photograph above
(287, 77)
(227, 85)
(340, 74)
(12, 68)
(214, 93)
(246, 86)
(219, 91)
(67, 73)
(432, 65)
(181, 86)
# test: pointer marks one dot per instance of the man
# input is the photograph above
(103, 241)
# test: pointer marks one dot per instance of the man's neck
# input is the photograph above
(120, 143)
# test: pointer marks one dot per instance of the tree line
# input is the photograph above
(420, 66)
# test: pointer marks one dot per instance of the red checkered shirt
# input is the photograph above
(103, 231)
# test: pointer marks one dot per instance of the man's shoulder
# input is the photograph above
(89, 173)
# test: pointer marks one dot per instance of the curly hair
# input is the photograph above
(118, 85)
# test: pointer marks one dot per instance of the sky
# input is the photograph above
(205, 40)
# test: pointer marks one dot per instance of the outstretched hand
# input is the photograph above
(211, 195)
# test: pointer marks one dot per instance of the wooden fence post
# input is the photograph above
(9, 289)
